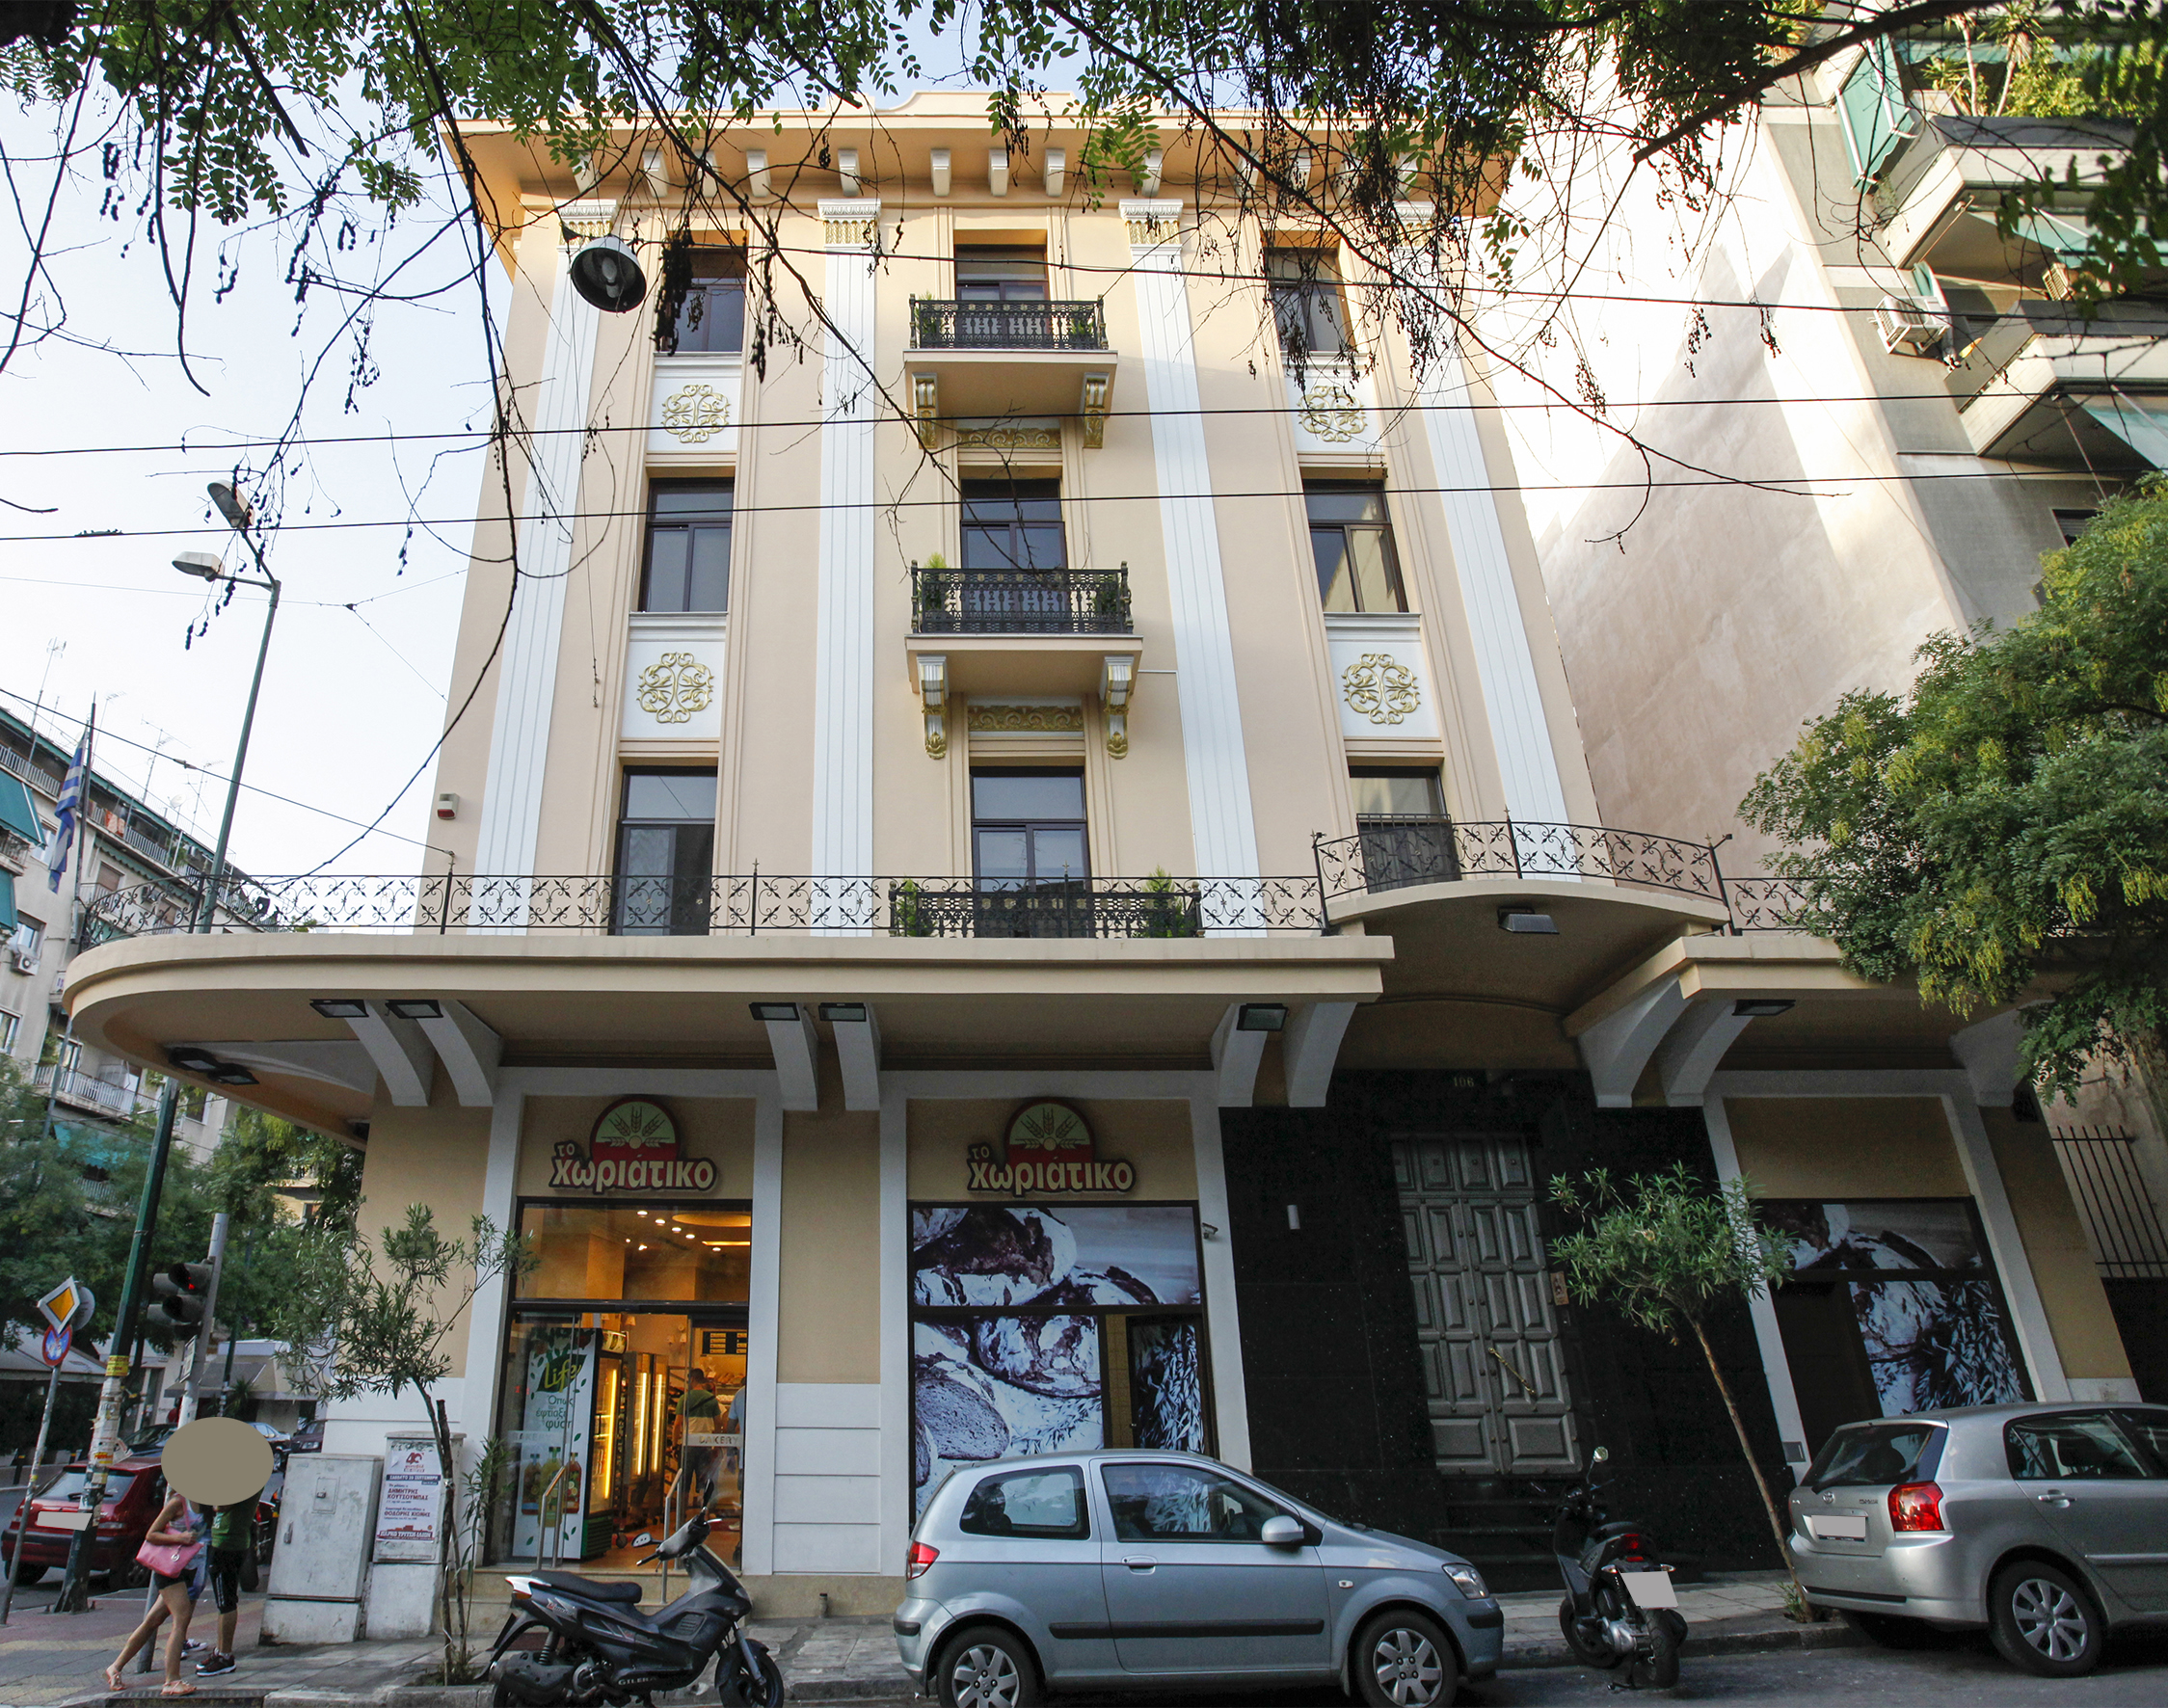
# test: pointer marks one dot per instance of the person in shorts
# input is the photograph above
(176, 1526)
(231, 1541)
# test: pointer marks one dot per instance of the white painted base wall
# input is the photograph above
(827, 1476)
(402, 1600)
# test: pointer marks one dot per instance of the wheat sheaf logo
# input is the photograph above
(1382, 688)
(694, 414)
(672, 689)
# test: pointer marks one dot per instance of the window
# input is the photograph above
(985, 274)
(29, 938)
(1396, 792)
(1028, 1504)
(688, 547)
(711, 319)
(1352, 540)
(2072, 1447)
(1877, 1453)
(1013, 525)
(2151, 1428)
(2072, 523)
(1873, 113)
(697, 1251)
(1027, 828)
(10, 1026)
(665, 853)
(1183, 1504)
(1400, 815)
(1306, 301)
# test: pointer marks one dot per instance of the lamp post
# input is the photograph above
(73, 1595)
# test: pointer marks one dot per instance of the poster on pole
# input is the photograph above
(409, 1510)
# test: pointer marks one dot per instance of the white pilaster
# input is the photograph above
(527, 664)
(485, 1317)
(764, 1314)
(1220, 821)
(1230, 1394)
(842, 761)
(2029, 1316)
(1776, 1368)
(896, 1328)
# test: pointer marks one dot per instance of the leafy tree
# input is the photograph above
(1666, 1250)
(373, 1316)
(2001, 832)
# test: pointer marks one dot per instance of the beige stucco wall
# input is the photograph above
(829, 1321)
(1837, 1147)
(1152, 1136)
(437, 1156)
(2079, 1314)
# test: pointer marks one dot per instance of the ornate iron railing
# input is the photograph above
(747, 905)
(1769, 904)
(945, 324)
(1396, 853)
(1019, 602)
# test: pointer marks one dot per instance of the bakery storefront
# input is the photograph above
(621, 1401)
(1057, 1300)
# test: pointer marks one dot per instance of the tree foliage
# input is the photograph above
(2001, 832)
(1667, 1251)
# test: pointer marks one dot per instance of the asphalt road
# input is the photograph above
(1957, 1671)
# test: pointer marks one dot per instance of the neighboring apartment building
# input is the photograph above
(1028, 877)
(131, 847)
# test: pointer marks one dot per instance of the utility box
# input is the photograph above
(319, 1566)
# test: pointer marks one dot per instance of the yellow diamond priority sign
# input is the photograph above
(68, 1305)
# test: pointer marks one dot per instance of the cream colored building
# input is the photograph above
(1027, 876)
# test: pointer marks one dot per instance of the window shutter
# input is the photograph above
(1874, 114)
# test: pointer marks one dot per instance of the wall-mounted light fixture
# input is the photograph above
(606, 276)
(339, 1008)
(767, 1011)
(1261, 1017)
(1762, 1007)
(845, 1011)
(1526, 921)
(416, 1008)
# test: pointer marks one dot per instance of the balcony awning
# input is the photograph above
(2144, 430)
(7, 903)
(18, 812)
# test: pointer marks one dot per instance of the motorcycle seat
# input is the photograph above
(1619, 1529)
(597, 1588)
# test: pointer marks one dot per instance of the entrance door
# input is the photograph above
(1484, 1312)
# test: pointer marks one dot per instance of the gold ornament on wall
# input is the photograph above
(1331, 412)
(1009, 439)
(694, 414)
(672, 689)
(1027, 720)
(1382, 688)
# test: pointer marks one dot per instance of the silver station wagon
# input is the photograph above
(1112, 1569)
(2046, 1523)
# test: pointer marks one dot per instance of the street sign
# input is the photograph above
(57, 1342)
(68, 1305)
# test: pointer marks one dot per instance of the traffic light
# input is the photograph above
(183, 1292)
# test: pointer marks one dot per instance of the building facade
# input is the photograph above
(1027, 876)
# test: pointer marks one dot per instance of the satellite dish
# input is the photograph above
(607, 275)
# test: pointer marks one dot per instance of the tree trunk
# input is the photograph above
(450, 1598)
(1746, 1449)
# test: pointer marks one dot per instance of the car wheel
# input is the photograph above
(2043, 1621)
(1404, 1659)
(1891, 1630)
(1589, 1654)
(987, 1668)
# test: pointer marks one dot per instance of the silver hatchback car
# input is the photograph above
(2046, 1523)
(1118, 1567)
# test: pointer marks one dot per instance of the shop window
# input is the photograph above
(687, 567)
(1054, 1329)
(666, 854)
(1306, 304)
(1892, 1308)
(1013, 525)
(711, 319)
(689, 1253)
(989, 274)
(1351, 541)
(1400, 816)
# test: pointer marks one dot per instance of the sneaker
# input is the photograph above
(217, 1666)
(192, 1646)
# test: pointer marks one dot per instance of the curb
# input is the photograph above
(1771, 1639)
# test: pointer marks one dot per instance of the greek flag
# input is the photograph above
(70, 810)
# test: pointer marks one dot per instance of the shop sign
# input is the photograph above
(633, 1149)
(1050, 1149)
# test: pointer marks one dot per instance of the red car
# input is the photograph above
(134, 1491)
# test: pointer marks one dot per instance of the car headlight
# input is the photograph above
(1469, 1581)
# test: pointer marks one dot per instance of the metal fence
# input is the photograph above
(1396, 853)
(1020, 602)
(947, 324)
(2109, 1188)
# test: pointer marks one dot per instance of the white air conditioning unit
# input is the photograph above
(1905, 326)
(22, 960)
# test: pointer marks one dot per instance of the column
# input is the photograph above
(1769, 1339)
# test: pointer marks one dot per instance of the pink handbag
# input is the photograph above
(169, 1559)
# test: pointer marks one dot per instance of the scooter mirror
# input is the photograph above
(1601, 1455)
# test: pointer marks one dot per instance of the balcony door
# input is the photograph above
(666, 854)
(985, 274)
(1030, 855)
(1407, 837)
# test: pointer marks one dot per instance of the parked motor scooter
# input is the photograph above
(1620, 1607)
(599, 1649)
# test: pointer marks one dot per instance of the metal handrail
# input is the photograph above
(555, 1532)
(1020, 602)
(947, 323)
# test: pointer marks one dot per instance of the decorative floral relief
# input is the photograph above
(1380, 688)
(1009, 439)
(1027, 720)
(676, 687)
(695, 413)
(1331, 412)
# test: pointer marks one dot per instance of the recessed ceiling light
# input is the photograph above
(339, 1008)
(833, 1011)
(1261, 1017)
(782, 1011)
(1761, 1007)
(1526, 921)
(416, 1008)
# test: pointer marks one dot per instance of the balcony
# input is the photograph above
(104, 1097)
(1020, 602)
(988, 361)
(2044, 384)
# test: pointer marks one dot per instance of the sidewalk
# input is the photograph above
(47, 1662)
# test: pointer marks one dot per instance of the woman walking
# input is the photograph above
(176, 1530)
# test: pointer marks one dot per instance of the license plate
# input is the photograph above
(1840, 1528)
(62, 1518)
(1650, 1589)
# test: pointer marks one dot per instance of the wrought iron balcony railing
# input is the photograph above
(1019, 602)
(736, 906)
(944, 324)
(1396, 853)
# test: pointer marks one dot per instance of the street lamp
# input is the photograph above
(205, 567)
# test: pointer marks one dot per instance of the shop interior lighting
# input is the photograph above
(1261, 1017)
(782, 1011)
(416, 1008)
(1526, 921)
(339, 1008)
(855, 1011)
(1762, 1007)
